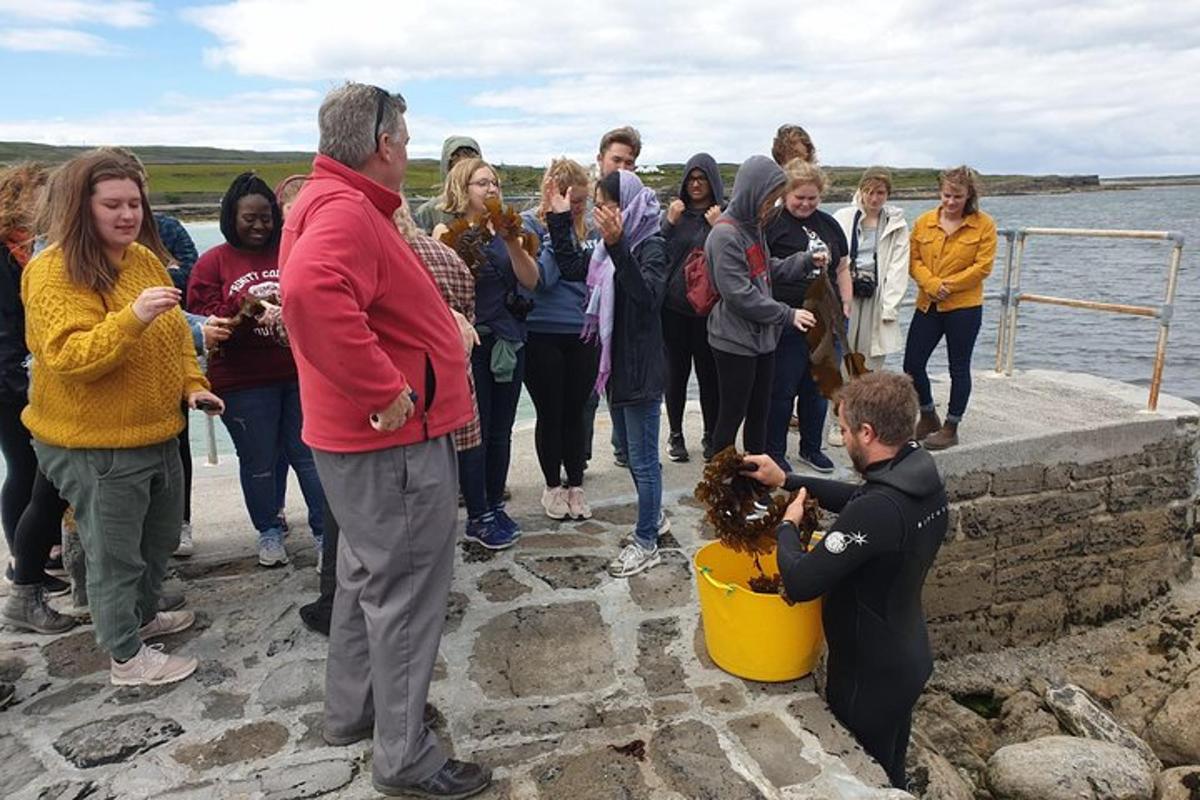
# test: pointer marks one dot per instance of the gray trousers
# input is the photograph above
(129, 509)
(398, 514)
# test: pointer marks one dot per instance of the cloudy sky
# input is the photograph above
(1090, 86)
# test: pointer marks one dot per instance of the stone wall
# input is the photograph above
(1063, 528)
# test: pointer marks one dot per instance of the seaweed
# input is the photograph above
(470, 239)
(250, 310)
(827, 337)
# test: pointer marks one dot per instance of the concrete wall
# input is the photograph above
(1084, 518)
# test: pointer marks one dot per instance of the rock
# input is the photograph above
(599, 773)
(534, 720)
(722, 697)
(543, 651)
(1069, 768)
(509, 755)
(212, 673)
(559, 541)
(1174, 732)
(960, 735)
(12, 668)
(220, 705)
(932, 777)
(566, 572)
(247, 743)
(115, 739)
(131, 695)
(689, 759)
(665, 587)
(64, 698)
(295, 781)
(475, 553)
(1179, 783)
(500, 586)
(456, 608)
(620, 516)
(816, 718)
(1082, 716)
(295, 683)
(1023, 719)
(20, 767)
(776, 749)
(69, 790)
(662, 672)
(75, 655)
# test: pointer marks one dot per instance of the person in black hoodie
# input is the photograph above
(872, 563)
(685, 226)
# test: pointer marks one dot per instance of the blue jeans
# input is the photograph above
(960, 327)
(636, 431)
(263, 422)
(794, 382)
(497, 412)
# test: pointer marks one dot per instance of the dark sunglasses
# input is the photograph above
(381, 98)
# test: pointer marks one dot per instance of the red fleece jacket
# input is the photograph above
(365, 318)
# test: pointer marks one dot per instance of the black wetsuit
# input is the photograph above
(871, 566)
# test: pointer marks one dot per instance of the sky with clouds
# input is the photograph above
(1069, 86)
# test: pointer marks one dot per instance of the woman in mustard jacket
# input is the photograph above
(952, 250)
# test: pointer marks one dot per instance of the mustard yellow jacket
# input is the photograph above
(960, 261)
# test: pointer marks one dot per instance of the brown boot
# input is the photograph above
(928, 423)
(946, 436)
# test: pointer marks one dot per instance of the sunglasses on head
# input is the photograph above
(381, 98)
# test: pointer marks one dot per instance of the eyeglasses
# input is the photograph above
(381, 98)
(697, 179)
(484, 183)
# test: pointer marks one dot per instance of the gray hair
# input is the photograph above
(347, 122)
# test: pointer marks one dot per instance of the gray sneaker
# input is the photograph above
(664, 525)
(632, 560)
(151, 667)
(186, 547)
(271, 552)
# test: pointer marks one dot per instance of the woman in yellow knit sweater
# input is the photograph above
(112, 359)
(952, 248)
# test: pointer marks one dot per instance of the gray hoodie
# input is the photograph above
(428, 216)
(747, 321)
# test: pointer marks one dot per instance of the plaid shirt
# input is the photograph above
(458, 287)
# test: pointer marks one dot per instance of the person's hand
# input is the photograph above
(155, 301)
(795, 510)
(846, 309)
(560, 202)
(675, 211)
(609, 224)
(216, 330)
(764, 470)
(396, 414)
(803, 319)
(470, 337)
(271, 314)
(207, 402)
(711, 216)
(943, 291)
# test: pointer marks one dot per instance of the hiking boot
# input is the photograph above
(633, 559)
(26, 610)
(706, 444)
(577, 504)
(271, 552)
(151, 667)
(165, 623)
(554, 501)
(817, 460)
(928, 423)
(171, 601)
(489, 533)
(185, 548)
(454, 781)
(677, 450)
(946, 436)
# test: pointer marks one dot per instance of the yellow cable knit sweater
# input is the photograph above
(101, 378)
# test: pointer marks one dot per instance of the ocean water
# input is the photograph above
(1122, 271)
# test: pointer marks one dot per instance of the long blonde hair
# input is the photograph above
(564, 174)
(18, 198)
(455, 194)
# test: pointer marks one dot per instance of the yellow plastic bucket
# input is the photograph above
(754, 636)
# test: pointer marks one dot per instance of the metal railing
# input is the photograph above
(1011, 295)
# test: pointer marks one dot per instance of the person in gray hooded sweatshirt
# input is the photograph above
(745, 324)
(454, 149)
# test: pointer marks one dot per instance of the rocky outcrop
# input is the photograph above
(1179, 783)
(1175, 729)
(1069, 768)
(1082, 716)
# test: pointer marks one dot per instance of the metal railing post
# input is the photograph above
(1014, 301)
(1005, 299)
(1164, 321)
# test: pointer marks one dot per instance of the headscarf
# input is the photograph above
(639, 221)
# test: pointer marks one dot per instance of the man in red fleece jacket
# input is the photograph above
(382, 384)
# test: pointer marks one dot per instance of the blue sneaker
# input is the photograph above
(489, 533)
(506, 522)
(817, 460)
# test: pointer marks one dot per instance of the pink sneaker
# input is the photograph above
(151, 667)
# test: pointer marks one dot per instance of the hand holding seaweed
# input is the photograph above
(729, 497)
(508, 225)
(251, 309)
(469, 240)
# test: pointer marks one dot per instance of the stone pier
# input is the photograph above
(1070, 506)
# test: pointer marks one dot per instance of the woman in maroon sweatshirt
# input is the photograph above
(254, 369)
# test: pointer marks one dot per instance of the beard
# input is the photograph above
(857, 455)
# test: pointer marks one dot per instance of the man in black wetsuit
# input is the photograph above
(871, 564)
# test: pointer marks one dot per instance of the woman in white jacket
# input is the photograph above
(878, 237)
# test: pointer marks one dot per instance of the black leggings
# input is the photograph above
(686, 340)
(744, 384)
(879, 714)
(38, 531)
(185, 455)
(560, 372)
(21, 464)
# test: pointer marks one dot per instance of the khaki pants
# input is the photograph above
(129, 508)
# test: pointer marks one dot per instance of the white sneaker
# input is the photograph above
(664, 525)
(632, 560)
(835, 436)
(554, 501)
(166, 623)
(185, 548)
(577, 505)
(151, 667)
(271, 553)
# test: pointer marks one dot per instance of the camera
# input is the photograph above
(863, 284)
(518, 305)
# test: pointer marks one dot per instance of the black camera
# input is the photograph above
(863, 284)
(518, 304)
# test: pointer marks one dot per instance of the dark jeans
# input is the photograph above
(794, 381)
(686, 340)
(560, 371)
(636, 428)
(483, 489)
(21, 467)
(185, 457)
(745, 396)
(263, 421)
(960, 327)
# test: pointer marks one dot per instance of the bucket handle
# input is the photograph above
(729, 588)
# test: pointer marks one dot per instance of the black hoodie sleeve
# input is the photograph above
(572, 259)
(867, 528)
(642, 277)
